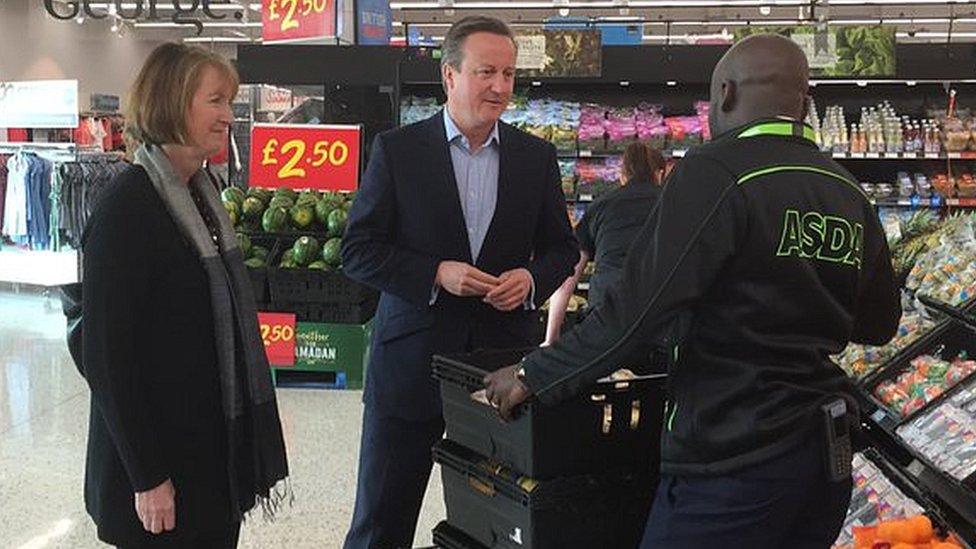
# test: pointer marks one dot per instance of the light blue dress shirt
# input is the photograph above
(476, 173)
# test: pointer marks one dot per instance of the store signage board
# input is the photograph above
(305, 156)
(39, 104)
(563, 53)
(102, 102)
(278, 335)
(305, 21)
(374, 20)
(834, 51)
(274, 99)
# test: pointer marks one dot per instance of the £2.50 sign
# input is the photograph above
(278, 335)
(300, 156)
(297, 20)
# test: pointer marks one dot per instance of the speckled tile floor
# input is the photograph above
(43, 429)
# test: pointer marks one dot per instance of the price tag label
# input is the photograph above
(585, 154)
(932, 155)
(916, 468)
(890, 155)
(955, 155)
(301, 156)
(878, 415)
(857, 155)
(871, 155)
(278, 335)
(297, 20)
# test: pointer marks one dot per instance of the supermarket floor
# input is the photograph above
(43, 429)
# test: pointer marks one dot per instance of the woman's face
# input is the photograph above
(210, 116)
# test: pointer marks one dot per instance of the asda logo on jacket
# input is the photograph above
(813, 235)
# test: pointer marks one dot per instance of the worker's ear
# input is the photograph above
(729, 95)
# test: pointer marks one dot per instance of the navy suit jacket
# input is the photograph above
(407, 219)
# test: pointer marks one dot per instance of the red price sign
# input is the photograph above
(301, 156)
(297, 20)
(278, 334)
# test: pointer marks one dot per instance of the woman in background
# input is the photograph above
(607, 230)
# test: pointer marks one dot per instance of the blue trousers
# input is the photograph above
(786, 502)
(394, 468)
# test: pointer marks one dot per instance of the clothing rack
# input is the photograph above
(73, 179)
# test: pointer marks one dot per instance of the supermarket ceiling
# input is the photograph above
(674, 21)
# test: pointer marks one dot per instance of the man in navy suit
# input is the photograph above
(461, 224)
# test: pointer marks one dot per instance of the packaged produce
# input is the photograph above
(859, 361)
(874, 498)
(915, 532)
(947, 271)
(946, 434)
(567, 174)
(926, 379)
(686, 131)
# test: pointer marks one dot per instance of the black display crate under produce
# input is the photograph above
(329, 313)
(449, 537)
(614, 426)
(259, 276)
(312, 285)
(499, 508)
(947, 340)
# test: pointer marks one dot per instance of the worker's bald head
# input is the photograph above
(763, 76)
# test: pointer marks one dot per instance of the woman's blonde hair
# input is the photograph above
(162, 93)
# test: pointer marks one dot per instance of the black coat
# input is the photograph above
(151, 364)
(407, 218)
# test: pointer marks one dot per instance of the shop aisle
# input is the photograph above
(43, 430)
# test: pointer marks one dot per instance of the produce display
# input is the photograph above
(946, 434)
(572, 126)
(255, 256)
(306, 252)
(874, 498)
(947, 271)
(916, 235)
(914, 532)
(927, 378)
(576, 303)
(285, 210)
(859, 361)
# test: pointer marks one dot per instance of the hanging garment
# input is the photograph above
(15, 202)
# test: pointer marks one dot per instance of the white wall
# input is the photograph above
(36, 46)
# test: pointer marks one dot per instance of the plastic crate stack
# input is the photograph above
(580, 474)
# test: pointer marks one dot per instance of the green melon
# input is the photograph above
(332, 252)
(281, 202)
(233, 194)
(337, 222)
(274, 219)
(322, 210)
(255, 263)
(260, 252)
(302, 216)
(252, 208)
(319, 266)
(305, 250)
(244, 243)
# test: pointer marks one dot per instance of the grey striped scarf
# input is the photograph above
(256, 449)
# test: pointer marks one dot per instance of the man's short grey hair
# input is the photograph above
(452, 52)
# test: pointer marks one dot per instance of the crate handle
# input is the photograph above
(481, 487)
(607, 418)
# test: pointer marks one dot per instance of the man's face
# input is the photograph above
(479, 91)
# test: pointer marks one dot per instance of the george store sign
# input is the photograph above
(305, 156)
(39, 104)
(278, 335)
(297, 20)
(66, 10)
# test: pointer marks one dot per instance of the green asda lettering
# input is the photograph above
(813, 235)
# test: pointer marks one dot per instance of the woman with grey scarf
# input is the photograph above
(184, 436)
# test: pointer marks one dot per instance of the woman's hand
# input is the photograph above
(156, 508)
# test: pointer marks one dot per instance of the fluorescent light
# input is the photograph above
(206, 24)
(687, 37)
(226, 39)
(597, 4)
(893, 2)
(936, 35)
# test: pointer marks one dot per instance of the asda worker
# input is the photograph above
(608, 229)
(762, 259)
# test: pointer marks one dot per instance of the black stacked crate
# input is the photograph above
(578, 474)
